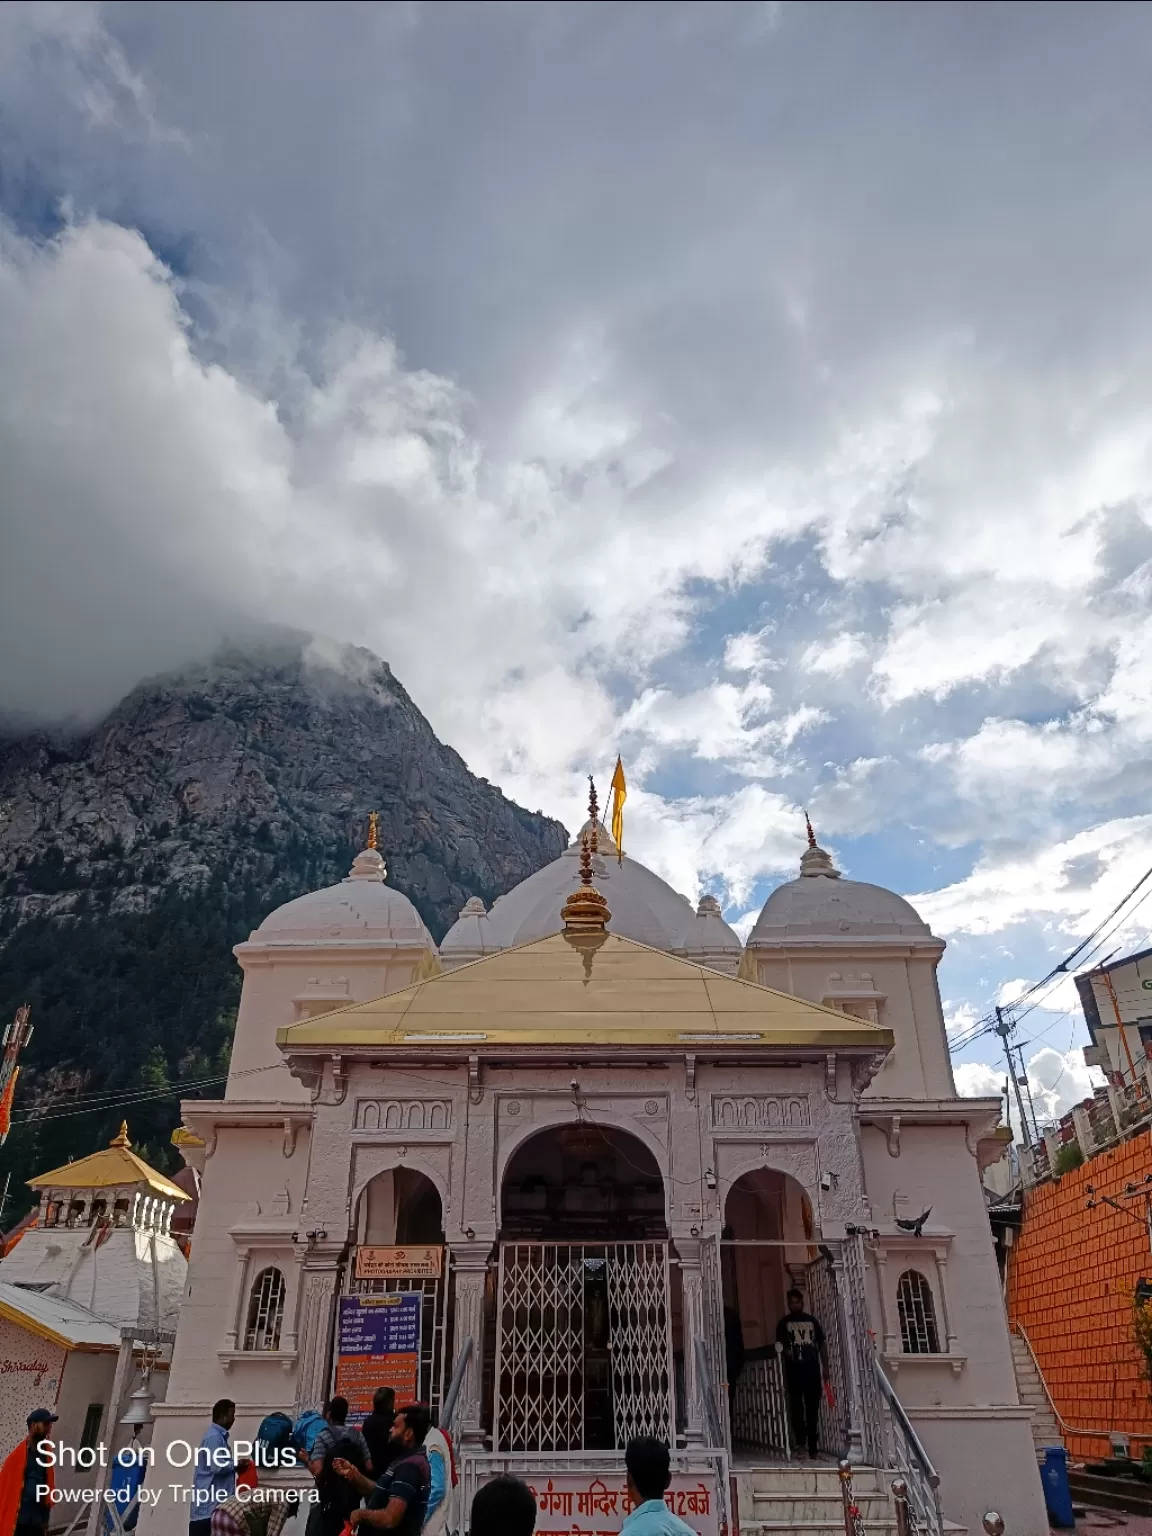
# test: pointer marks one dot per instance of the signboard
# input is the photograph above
(579, 1504)
(399, 1263)
(379, 1346)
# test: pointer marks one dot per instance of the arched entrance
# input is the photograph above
(400, 1209)
(583, 1318)
(769, 1248)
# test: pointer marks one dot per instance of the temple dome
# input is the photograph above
(822, 904)
(644, 908)
(361, 908)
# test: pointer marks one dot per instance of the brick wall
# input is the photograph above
(1070, 1286)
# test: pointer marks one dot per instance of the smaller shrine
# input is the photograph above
(90, 1294)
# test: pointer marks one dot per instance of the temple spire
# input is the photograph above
(121, 1137)
(373, 829)
(811, 834)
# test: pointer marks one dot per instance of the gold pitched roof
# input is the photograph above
(116, 1164)
(607, 990)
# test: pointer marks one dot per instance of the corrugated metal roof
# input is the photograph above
(55, 1319)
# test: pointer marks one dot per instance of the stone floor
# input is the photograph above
(1101, 1520)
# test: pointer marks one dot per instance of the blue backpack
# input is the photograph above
(274, 1434)
(305, 1430)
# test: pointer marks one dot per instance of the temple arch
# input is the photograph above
(582, 1181)
(400, 1205)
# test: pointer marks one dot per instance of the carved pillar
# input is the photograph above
(470, 1267)
(237, 1310)
(887, 1330)
(945, 1310)
(853, 1327)
(318, 1281)
(693, 1327)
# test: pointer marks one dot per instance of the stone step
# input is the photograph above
(806, 1477)
(803, 1511)
(812, 1527)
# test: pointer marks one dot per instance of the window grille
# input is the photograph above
(265, 1311)
(918, 1330)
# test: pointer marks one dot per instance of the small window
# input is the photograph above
(918, 1330)
(120, 1213)
(92, 1418)
(265, 1311)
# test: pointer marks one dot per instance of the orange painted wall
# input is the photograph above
(1070, 1282)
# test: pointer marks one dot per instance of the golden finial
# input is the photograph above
(811, 834)
(585, 860)
(373, 828)
(593, 812)
(121, 1137)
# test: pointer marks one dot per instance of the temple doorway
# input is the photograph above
(583, 1315)
(770, 1247)
(401, 1208)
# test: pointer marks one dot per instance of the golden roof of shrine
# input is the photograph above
(585, 990)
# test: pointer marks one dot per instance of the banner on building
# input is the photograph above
(399, 1263)
(379, 1346)
(577, 1504)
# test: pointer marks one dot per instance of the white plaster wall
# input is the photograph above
(919, 1065)
(273, 978)
(122, 1281)
(242, 1178)
(87, 1379)
(986, 1461)
(31, 1369)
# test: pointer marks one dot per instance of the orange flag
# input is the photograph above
(619, 795)
(6, 1104)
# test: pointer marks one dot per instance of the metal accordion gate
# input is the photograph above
(583, 1346)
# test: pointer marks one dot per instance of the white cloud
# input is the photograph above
(1063, 884)
(1057, 1081)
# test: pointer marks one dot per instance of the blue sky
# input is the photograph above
(761, 390)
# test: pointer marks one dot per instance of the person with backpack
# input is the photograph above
(398, 1499)
(337, 1440)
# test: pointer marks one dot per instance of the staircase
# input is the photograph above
(1030, 1384)
(806, 1499)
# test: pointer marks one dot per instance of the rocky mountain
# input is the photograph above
(134, 855)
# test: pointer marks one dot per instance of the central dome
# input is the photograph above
(644, 908)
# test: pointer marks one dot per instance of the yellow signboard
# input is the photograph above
(399, 1263)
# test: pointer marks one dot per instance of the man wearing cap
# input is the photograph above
(23, 1510)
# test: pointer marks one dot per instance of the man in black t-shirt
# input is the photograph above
(398, 1499)
(802, 1339)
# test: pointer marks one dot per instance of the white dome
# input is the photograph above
(360, 908)
(643, 907)
(822, 903)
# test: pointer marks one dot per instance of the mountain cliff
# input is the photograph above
(134, 855)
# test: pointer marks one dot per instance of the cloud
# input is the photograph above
(803, 453)
(1057, 1081)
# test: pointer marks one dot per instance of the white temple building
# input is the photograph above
(596, 1140)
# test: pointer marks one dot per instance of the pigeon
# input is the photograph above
(915, 1227)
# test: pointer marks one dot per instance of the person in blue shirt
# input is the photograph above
(214, 1474)
(649, 1465)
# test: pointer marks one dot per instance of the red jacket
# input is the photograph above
(12, 1485)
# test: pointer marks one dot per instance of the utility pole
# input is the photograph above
(1018, 1076)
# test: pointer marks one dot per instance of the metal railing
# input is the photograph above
(906, 1454)
(459, 1371)
(709, 1409)
(759, 1408)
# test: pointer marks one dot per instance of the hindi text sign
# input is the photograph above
(379, 1347)
(374, 1263)
(578, 1504)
